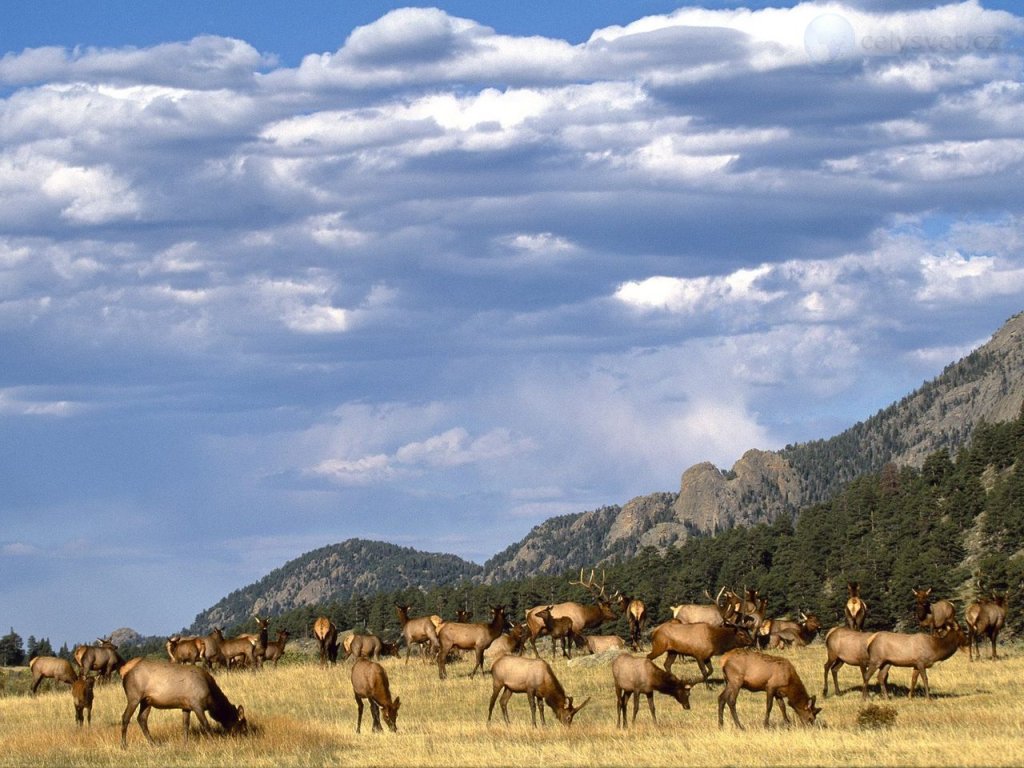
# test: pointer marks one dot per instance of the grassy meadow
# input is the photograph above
(305, 715)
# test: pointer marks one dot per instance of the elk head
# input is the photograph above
(566, 713)
(807, 712)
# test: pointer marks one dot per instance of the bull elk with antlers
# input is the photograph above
(715, 614)
(583, 616)
(937, 615)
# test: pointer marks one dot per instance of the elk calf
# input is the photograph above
(275, 649)
(756, 671)
(639, 675)
(82, 693)
(514, 674)
(559, 629)
(370, 681)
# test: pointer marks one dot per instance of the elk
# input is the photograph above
(639, 675)
(420, 630)
(635, 611)
(102, 658)
(362, 647)
(510, 642)
(750, 610)
(919, 651)
(82, 693)
(559, 629)
(756, 671)
(211, 651)
(185, 650)
(260, 639)
(715, 614)
(583, 616)
(233, 648)
(370, 681)
(856, 610)
(601, 643)
(275, 649)
(463, 616)
(514, 674)
(701, 641)
(984, 618)
(935, 615)
(43, 667)
(469, 637)
(846, 646)
(164, 685)
(785, 632)
(326, 635)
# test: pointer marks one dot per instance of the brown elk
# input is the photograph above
(984, 618)
(750, 610)
(846, 646)
(701, 641)
(785, 632)
(463, 616)
(514, 674)
(260, 639)
(103, 659)
(51, 667)
(601, 643)
(937, 615)
(82, 693)
(416, 631)
(185, 650)
(164, 685)
(918, 651)
(211, 651)
(583, 616)
(756, 671)
(235, 650)
(326, 635)
(275, 649)
(469, 637)
(510, 642)
(856, 610)
(362, 647)
(635, 611)
(370, 681)
(639, 675)
(558, 629)
(715, 614)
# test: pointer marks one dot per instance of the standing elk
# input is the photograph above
(846, 646)
(855, 610)
(918, 651)
(937, 615)
(82, 693)
(102, 658)
(417, 631)
(469, 637)
(510, 642)
(370, 681)
(635, 611)
(275, 648)
(260, 639)
(326, 635)
(236, 650)
(715, 614)
(43, 667)
(514, 674)
(756, 671)
(559, 630)
(185, 650)
(362, 647)
(164, 685)
(701, 641)
(583, 616)
(635, 676)
(984, 618)
(785, 632)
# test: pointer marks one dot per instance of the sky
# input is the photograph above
(274, 276)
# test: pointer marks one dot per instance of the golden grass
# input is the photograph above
(305, 715)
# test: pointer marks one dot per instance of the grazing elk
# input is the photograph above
(935, 615)
(583, 616)
(639, 675)
(846, 646)
(785, 632)
(417, 631)
(918, 651)
(102, 658)
(185, 650)
(701, 641)
(635, 611)
(469, 637)
(82, 693)
(558, 629)
(164, 685)
(326, 635)
(275, 649)
(601, 643)
(715, 614)
(984, 618)
(514, 674)
(856, 610)
(370, 681)
(756, 671)
(43, 667)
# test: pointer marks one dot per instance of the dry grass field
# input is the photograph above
(305, 715)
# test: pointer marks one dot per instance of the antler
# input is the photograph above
(589, 583)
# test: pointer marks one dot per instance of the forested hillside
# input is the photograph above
(949, 524)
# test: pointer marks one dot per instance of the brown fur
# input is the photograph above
(937, 615)
(469, 637)
(635, 611)
(370, 681)
(846, 646)
(558, 629)
(275, 649)
(634, 676)
(534, 677)
(602, 643)
(701, 641)
(185, 650)
(418, 631)
(785, 632)
(326, 635)
(362, 647)
(43, 667)
(102, 658)
(985, 618)
(756, 671)
(82, 693)
(856, 610)
(918, 651)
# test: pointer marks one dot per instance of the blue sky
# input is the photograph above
(271, 280)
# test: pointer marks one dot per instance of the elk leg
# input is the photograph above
(494, 698)
(126, 718)
(504, 705)
(768, 708)
(993, 637)
(864, 679)
(782, 708)
(185, 715)
(37, 679)
(705, 670)
(620, 707)
(479, 662)
(143, 719)
(359, 713)
(650, 705)
(375, 713)
(913, 683)
(927, 690)
(533, 708)
(670, 659)
(883, 679)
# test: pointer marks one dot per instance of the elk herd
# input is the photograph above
(735, 626)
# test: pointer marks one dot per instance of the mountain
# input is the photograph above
(986, 386)
(336, 573)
